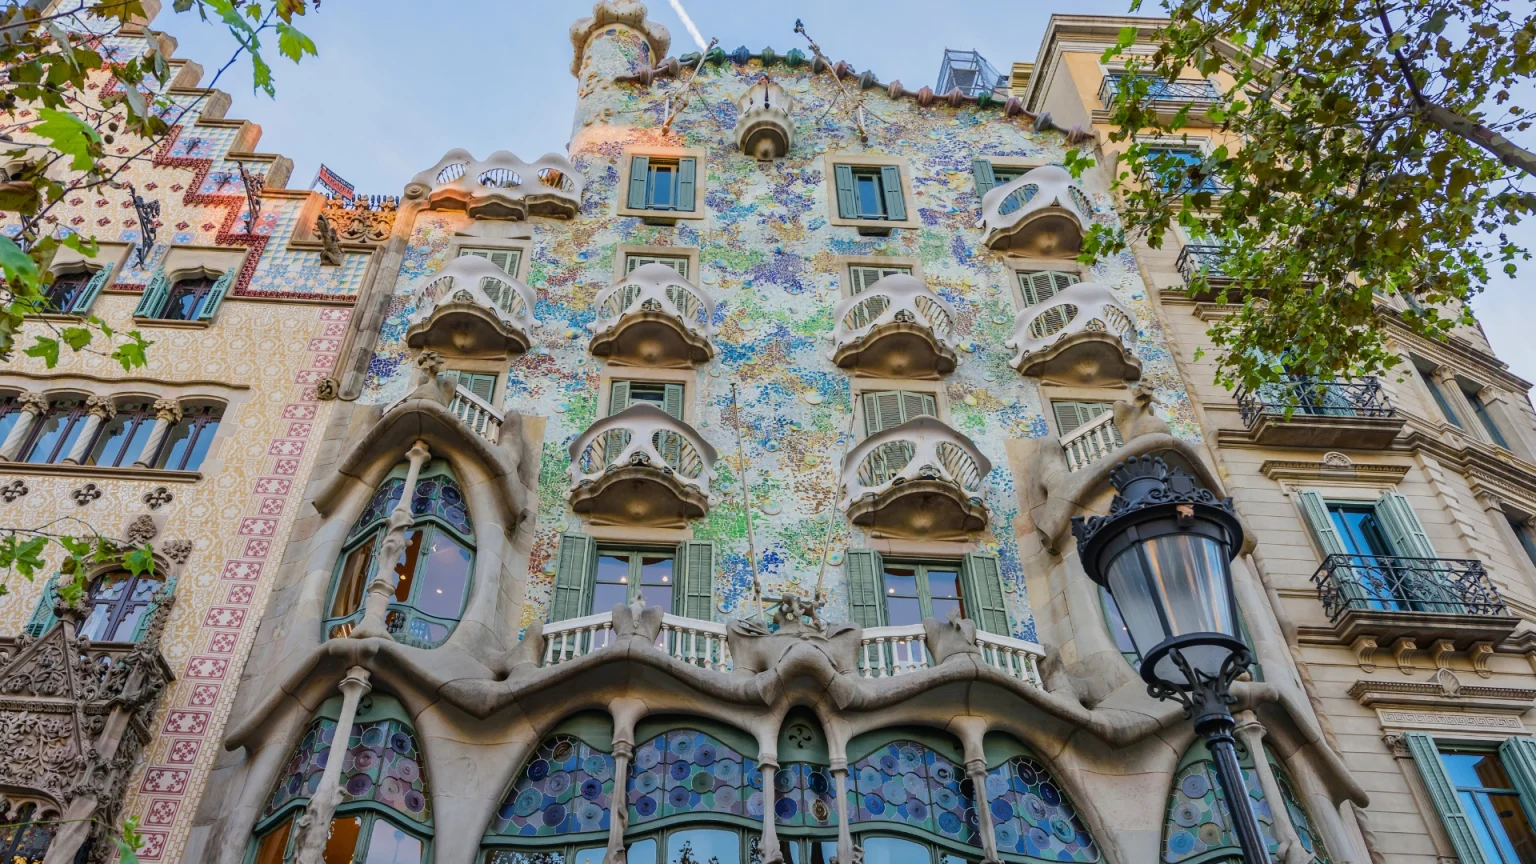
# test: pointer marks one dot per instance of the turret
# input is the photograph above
(616, 40)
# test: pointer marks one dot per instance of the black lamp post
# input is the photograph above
(1164, 552)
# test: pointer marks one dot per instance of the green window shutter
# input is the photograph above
(574, 574)
(1438, 783)
(1519, 758)
(882, 411)
(866, 587)
(1316, 512)
(149, 611)
(1404, 530)
(639, 175)
(42, 619)
(618, 397)
(1070, 415)
(695, 597)
(915, 405)
(985, 179)
(981, 592)
(673, 401)
(890, 181)
(92, 288)
(152, 301)
(678, 264)
(686, 169)
(847, 204)
(216, 295)
(860, 278)
(1040, 286)
(478, 383)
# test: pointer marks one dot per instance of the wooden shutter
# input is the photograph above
(1315, 510)
(507, 259)
(478, 383)
(847, 203)
(882, 411)
(43, 619)
(890, 181)
(141, 628)
(216, 295)
(152, 301)
(917, 405)
(686, 169)
(695, 595)
(985, 179)
(981, 593)
(1519, 758)
(1426, 756)
(639, 178)
(618, 397)
(678, 264)
(1070, 415)
(575, 572)
(1403, 528)
(92, 288)
(866, 587)
(672, 401)
(1040, 286)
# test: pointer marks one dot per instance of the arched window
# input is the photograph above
(915, 784)
(23, 840)
(121, 605)
(434, 569)
(187, 443)
(193, 296)
(385, 813)
(1032, 816)
(75, 291)
(1199, 830)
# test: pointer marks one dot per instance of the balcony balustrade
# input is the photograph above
(472, 308)
(921, 479)
(654, 317)
(1311, 412)
(501, 187)
(1091, 441)
(476, 413)
(895, 328)
(1081, 335)
(641, 467)
(763, 128)
(1043, 213)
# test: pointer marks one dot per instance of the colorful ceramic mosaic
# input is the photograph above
(565, 789)
(907, 782)
(1310, 839)
(1031, 815)
(804, 795)
(382, 764)
(684, 771)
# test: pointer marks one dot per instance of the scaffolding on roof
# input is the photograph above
(971, 73)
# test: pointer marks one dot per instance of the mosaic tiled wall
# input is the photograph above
(768, 256)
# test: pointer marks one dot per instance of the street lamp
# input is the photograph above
(1164, 552)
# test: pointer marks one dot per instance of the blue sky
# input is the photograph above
(399, 83)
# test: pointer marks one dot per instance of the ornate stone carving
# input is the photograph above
(1397, 744)
(1365, 652)
(100, 406)
(177, 550)
(158, 497)
(364, 219)
(14, 490)
(141, 530)
(1447, 681)
(1441, 651)
(1479, 653)
(327, 388)
(1336, 460)
(168, 410)
(1402, 651)
(86, 494)
(330, 244)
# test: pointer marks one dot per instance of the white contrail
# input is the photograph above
(698, 39)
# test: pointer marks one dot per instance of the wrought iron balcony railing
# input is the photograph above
(1208, 258)
(1386, 583)
(1304, 397)
(1161, 90)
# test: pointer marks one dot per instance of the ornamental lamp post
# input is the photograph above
(1164, 553)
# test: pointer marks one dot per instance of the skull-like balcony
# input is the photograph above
(763, 127)
(1042, 213)
(654, 317)
(501, 187)
(920, 480)
(1081, 335)
(472, 308)
(895, 328)
(641, 467)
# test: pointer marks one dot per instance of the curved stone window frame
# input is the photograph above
(272, 838)
(129, 601)
(589, 731)
(368, 532)
(1196, 842)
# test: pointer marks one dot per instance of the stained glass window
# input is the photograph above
(436, 495)
(685, 771)
(565, 789)
(805, 794)
(1199, 821)
(908, 782)
(1031, 814)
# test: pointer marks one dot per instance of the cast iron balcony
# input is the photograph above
(501, 187)
(472, 308)
(1321, 413)
(1202, 257)
(641, 467)
(1082, 335)
(895, 328)
(1181, 91)
(654, 317)
(921, 479)
(1042, 213)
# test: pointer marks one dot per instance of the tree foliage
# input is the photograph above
(1359, 149)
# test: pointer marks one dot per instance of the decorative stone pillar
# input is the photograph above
(167, 414)
(845, 850)
(1514, 418)
(1252, 734)
(626, 713)
(97, 411)
(768, 847)
(33, 406)
(382, 588)
(972, 732)
(314, 827)
(1445, 376)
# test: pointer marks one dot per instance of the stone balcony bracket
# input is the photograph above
(500, 187)
(1081, 335)
(1043, 213)
(895, 328)
(653, 317)
(920, 480)
(763, 127)
(472, 308)
(641, 467)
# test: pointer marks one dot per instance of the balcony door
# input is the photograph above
(1380, 555)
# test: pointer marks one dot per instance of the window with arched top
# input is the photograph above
(74, 291)
(1033, 818)
(121, 605)
(23, 839)
(385, 814)
(121, 440)
(186, 443)
(435, 568)
(193, 296)
(54, 435)
(1199, 828)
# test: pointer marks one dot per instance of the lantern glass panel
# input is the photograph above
(1187, 573)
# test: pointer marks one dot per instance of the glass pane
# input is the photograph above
(515, 856)
(113, 586)
(1117, 628)
(9, 418)
(56, 432)
(123, 632)
(95, 626)
(122, 438)
(390, 845)
(704, 846)
(590, 856)
(652, 393)
(892, 850)
(144, 588)
(174, 452)
(903, 610)
(342, 840)
(656, 581)
(272, 845)
(612, 582)
(202, 439)
(405, 568)
(354, 575)
(1514, 836)
(444, 578)
(1475, 770)
(866, 188)
(642, 852)
(661, 184)
(900, 581)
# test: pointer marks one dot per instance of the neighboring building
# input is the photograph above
(1394, 526)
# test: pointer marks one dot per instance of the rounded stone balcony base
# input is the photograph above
(638, 495)
(653, 339)
(466, 329)
(1049, 233)
(897, 350)
(920, 509)
(1092, 358)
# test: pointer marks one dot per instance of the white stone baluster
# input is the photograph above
(97, 411)
(167, 414)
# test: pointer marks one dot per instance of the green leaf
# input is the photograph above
(293, 44)
(76, 337)
(140, 560)
(19, 268)
(46, 348)
(69, 135)
(27, 556)
(131, 354)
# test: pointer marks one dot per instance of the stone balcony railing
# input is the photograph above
(1082, 335)
(472, 308)
(921, 479)
(501, 187)
(895, 328)
(653, 317)
(695, 642)
(1091, 441)
(1310, 412)
(476, 413)
(1043, 213)
(641, 467)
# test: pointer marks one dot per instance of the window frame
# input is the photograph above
(122, 606)
(870, 160)
(653, 215)
(636, 554)
(860, 386)
(203, 417)
(1480, 794)
(74, 425)
(462, 246)
(622, 254)
(920, 568)
(138, 417)
(847, 263)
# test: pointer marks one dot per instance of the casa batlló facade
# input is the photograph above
(721, 470)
